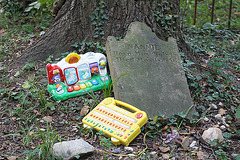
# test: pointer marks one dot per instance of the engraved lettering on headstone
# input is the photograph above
(157, 83)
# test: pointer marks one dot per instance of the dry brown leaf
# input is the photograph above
(205, 83)
(201, 155)
(164, 149)
(165, 128)
(166, 156)
(47, 118)
(12, 158)
(84, 111)
(155, 146)
(31, 133)
(211, 54)
(36, 112)
(221, 111)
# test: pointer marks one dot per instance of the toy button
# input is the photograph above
(139, 115)
(83, 86)
(104, 78)
(89, 84)
(70, 89)
(76, 87)
(94, 82)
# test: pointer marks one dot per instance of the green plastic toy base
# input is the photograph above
(65, 95)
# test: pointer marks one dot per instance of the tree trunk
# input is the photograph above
(75, 23)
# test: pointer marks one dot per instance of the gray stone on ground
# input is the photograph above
(154, 80)
(70, 149)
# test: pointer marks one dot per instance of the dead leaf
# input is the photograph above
(155, 118)
(155, 145)
(47, 118)
(164, 149)
(36, 112)
(12, 158)
(185, 142)
(87, 135)
(31, 133)
(165, 128)
(171, 136)
(205, 83)
(84, 111)
(221, 111)
(201, 155)
(211, 54)
(166, 156)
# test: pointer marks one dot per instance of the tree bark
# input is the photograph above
(73, 24)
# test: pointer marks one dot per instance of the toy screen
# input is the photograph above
(83, 72)
(71, 76)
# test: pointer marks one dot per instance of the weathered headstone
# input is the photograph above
(154, 80)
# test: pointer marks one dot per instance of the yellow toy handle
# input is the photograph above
(127, 106)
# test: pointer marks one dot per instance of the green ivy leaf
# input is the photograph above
(227, 135)
(237, 114)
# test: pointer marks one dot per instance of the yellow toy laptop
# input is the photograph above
(118, 123)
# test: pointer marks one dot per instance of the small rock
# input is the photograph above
(221, 111)
(222, 127)
(206, 119)
(218, 116)
(211, 134)
(213, 106)
(153, 153)
(128, 149)
(193, 144)
(116, 151)
(70, 149)
(224, 122)
(220, 104)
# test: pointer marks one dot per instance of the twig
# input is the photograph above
(203, 144)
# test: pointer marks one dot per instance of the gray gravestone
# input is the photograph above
(155, 81)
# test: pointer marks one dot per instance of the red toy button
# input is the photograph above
(70, 89)
(139, 115)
